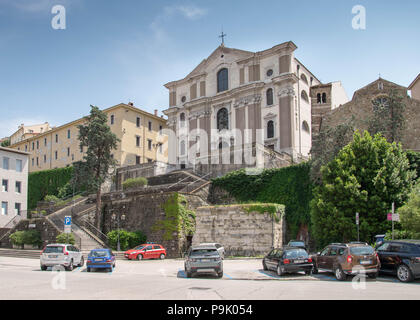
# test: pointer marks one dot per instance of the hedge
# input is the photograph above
(128, 240)
(290, 186)
(20, 238)
(46, 182)
(134, 183)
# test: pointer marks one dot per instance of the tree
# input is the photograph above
(98, 162)
(410, 212)
(366, 176)
(388, 116)
(6, 143)
(327, 144)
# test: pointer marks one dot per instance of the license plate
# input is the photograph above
(97, 260)
(299, 261)
(205, 260)
(52, 257)
(365, 261)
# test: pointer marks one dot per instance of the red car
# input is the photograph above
(146, 251)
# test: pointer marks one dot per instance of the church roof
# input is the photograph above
(242, 54)
(376, 81)
(414, 82)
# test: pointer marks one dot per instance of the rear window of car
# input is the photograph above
(297, 243)
(101, 253)
(295, 254)
(201, 252)
(55, 249)
(362, 250)
(156, 247)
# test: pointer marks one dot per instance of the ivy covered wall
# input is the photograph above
(290, 186)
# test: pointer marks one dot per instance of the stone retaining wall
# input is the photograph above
(241, 233)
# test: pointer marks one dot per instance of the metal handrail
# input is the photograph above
(92, 229)
(195, 181)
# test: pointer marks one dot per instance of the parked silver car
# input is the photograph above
(203, 259)
(59, 254)
(218, 246)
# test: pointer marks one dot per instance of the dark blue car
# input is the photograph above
(100, 259)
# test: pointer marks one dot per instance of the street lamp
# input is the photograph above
(118, 217)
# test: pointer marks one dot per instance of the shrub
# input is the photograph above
(67, 238)
(20, 238)
(128, 239)
(402, 235)
(51, 198)
(17, 238)
(134, 183)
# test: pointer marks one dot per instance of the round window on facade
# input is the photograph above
(269, 72)
(183, 99)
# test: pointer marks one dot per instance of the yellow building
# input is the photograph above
(140, 134)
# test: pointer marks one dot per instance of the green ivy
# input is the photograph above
(274, 209)
(178, 218)
(290, 186)
(46, 182)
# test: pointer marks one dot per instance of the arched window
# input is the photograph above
(270, 129)
(318, 98)
(304, 96)
(303, 78)
(222, 80)
(269, 94)
(182, 148)
(324, 97)
(182, 120)
(222, 119)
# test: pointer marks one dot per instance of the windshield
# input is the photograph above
(102, 253)
(361, 251)
(204, 252)
(297, 243)
(57, 249)
(138, 248)
(296, 254)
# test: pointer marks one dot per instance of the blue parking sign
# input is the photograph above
(67, 221)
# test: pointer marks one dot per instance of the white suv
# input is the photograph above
(65, 255)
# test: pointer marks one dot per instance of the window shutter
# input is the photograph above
(251, 73)
(193, 91)
(202, 88)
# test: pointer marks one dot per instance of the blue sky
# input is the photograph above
(119, 51)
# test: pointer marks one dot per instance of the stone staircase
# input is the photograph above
(84, 239)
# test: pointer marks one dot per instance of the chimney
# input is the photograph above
(131, 104)
(156, 112)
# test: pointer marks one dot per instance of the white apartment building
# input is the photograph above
(14, 185)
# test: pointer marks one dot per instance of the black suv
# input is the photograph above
(401, 258)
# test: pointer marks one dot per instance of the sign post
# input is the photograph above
(67, 224)
(393, 208)
(357, 223)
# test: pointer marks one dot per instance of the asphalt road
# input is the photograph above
(156, 280)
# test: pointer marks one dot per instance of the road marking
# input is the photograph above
(225, 274)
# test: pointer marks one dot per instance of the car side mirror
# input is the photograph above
(318, 253)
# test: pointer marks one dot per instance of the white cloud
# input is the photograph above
(188, 12)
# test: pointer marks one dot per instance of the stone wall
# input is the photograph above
(48, 231)
(143, 210)
(241, 233)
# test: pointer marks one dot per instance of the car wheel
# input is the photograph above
(162, 256)
(188, 274)
(314, 270)
(109, 269)
(43, 268)
(308, 272)
(279, 271)
(114, 266)
(373, 275)
(70, 267)
(404, 273)
(88, 269)
(140, 257)
(265, 266)
(82, 262)
(220, 274)
(339, 274)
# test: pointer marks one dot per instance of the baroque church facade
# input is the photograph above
(238, 98)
